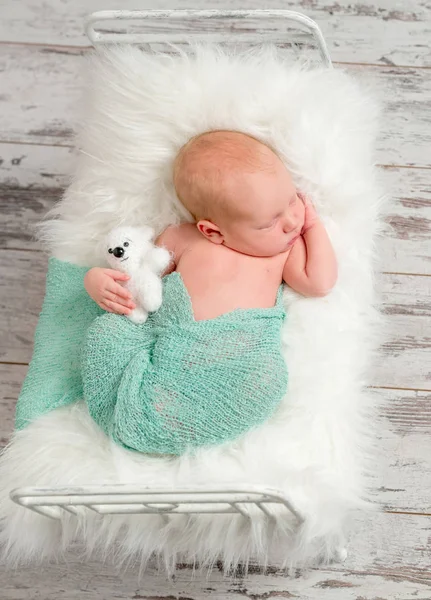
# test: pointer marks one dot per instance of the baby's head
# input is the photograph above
(239, 192)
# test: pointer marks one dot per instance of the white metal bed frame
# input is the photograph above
(133, 499)
(109, 37)
(244, 501)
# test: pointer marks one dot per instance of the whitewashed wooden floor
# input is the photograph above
(385, 42)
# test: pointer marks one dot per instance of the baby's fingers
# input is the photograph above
(116, 274)
(114, 307)
(105, 307)
(118, 290)
(117, 299)
(305, 199)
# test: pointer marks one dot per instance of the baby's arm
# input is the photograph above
(311, 267)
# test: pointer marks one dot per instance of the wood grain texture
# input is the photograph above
(21, 209)
(24, 166)
(377, 31)
(405, 355)
(402, 479)
(380, 566)
(11, 379)
(48, 87)
(22, 287)
(406, 246)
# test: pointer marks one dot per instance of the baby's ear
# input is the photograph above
(210, 231)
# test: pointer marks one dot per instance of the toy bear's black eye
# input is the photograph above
(126, 244)
(110, 250)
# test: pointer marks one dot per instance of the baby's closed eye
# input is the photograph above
(271, 224)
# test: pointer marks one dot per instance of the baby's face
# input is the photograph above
(271, 214)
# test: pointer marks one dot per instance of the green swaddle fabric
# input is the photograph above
(173, 383)
(54, 377)
(164, 387)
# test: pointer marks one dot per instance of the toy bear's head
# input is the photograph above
(126, 247)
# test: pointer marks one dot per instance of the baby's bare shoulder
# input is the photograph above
(184, 234)
(188, 230)
(176, 238)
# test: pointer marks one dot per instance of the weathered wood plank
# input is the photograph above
(22, 289)
(372, 32)
(24, 166)
(388, 558)
(11, 378)
(406, 246)
(401, 136)
(41, 102)
(405, 299)
(21, 208)
(404, 357)
(33, 177)
(402, 481)
(29, 101)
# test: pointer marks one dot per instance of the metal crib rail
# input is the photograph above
(107, 36)
(247, 501)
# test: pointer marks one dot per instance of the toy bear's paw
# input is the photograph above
(138, 316)
(152, 297)
(160, 259)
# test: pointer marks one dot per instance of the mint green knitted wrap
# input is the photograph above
(54, 378)
(166, 386)
(174, 384)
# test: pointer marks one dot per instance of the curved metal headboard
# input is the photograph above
(101, 37)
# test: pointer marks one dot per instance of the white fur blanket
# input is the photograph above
(140, 109)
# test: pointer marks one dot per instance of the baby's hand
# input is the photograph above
(311, 216)
(111, 296)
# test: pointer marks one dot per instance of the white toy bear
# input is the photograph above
(131, 250)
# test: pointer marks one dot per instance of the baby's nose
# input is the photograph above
(290, 222)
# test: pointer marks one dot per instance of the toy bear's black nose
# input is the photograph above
(118, 252)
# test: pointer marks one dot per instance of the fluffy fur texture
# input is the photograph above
(130, 250)
(318, 448)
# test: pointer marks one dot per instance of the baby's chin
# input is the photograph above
(259, 252)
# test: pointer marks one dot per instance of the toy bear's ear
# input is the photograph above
(145, 232)
(108, 240)
(101, 251)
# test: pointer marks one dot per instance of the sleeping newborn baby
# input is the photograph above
(208, 365)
